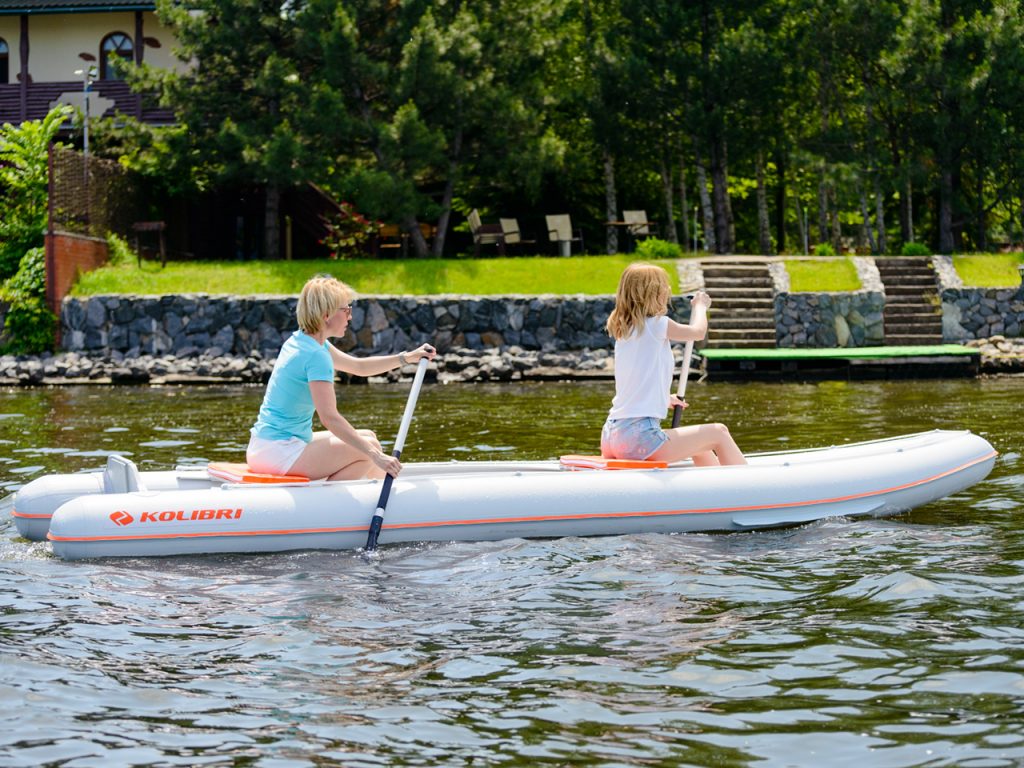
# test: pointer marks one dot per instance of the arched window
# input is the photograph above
(115, 45)
(5, 58)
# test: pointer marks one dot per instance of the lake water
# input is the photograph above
(892, 642)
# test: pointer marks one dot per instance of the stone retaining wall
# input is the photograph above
(830, 319)
(977, 313)
(184, 325)
(188, 325)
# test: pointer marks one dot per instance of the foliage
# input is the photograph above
(391, 106)
(915, 249)
(822, 275)
(494, 276)
(875, 121)
(990, 270)
(119, 252)
(23, 186)
(348, 232)
(30, 325)
(824, 249)
(652, 248)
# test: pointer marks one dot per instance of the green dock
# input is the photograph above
(852, 363)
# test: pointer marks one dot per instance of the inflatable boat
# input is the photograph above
(121, 512)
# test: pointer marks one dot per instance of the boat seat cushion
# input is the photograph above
(572, 461)
(240, 473)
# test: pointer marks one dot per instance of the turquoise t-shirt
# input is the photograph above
(287, 409)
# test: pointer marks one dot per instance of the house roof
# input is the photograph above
(18, 7)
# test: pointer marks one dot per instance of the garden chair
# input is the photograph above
(637, 224)
(560, 231)
(513, 235)
(485, 234)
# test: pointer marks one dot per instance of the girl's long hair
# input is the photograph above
(643, 292)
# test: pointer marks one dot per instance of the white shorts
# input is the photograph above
(273, 457)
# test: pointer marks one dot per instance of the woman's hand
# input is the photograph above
(673, 401)
(700, 299)
(424, 350)
(383, 461)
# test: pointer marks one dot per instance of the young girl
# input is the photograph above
(643, 376)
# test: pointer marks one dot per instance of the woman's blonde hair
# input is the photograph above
(321, 296)
(643, 292)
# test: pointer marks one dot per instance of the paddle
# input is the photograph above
(684, 376)
(403, 430)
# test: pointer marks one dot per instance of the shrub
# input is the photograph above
(653, 249)
(915, 249)
(824, 249)
(119, 252)
(30, 325)
(348, 232)
(23, 182)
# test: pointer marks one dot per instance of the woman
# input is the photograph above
(643, 376)
(283, 441)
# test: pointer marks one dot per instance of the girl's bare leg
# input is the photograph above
(328, 457)
(706, 444)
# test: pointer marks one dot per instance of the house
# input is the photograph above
(47, 50)
(49, 47)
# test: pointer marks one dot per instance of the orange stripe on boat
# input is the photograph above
(16, 513)
(535, 518)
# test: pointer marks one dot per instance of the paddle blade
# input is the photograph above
(378, 517)
(374, 532)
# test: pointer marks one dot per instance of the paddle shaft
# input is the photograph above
(403, 430)
(684, 376)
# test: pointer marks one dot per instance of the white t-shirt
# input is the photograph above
(643, 372)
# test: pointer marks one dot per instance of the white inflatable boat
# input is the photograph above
(120, 512)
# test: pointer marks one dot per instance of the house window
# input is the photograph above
(5, 57)
(115, 45)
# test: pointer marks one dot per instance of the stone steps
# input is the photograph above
(741, 283)
(903, 263)
(734, 302)
(898, 291)
(721, 321)
(923, 281)
(743, 313)
(911, 290)
(911, 339)
(741, 333)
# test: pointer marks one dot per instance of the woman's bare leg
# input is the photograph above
(328, 457)
(706, 444)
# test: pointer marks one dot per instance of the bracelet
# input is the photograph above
(401, 358)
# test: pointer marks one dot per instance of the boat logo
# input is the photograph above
(123, 517)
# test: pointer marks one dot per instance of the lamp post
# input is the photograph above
(87, 78)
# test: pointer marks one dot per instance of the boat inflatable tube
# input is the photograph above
(476, 501)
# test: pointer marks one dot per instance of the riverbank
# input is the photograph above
(999, 355)
(460, 365)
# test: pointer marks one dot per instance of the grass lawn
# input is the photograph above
(989, 270)
(831, 274)
(528, 275)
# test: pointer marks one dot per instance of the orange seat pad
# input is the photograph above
(572, 461)
(240, 473)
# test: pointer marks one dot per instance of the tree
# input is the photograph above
(239, 102)
(413, 98)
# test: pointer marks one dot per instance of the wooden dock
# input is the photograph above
(854, 364)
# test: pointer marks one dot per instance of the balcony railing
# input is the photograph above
(40, 97)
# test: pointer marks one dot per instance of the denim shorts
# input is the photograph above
(633, 438)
